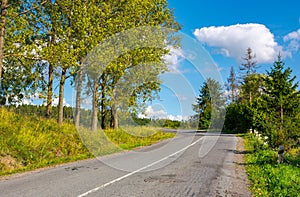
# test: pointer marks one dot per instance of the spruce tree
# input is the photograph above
(282, 103)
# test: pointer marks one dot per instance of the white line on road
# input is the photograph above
(136, 171)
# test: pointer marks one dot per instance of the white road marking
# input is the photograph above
(136, 171)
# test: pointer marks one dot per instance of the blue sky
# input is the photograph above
(226, 29)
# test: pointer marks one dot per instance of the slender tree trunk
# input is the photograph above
(61, 96)
(95, 106)
(281, 116)
(78, 97)
(103, 108)
(103, 102)
(2, 33)
(115, 120)
(49, 91)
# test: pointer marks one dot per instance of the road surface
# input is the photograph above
(188, 165)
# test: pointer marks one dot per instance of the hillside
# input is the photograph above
(31, 142)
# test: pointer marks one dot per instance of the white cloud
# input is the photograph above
(55, 102)
(293, 39)
(153, 113)
(178, 117)
(233, 41)
(173, 60)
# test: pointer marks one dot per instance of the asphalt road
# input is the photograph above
(188, 165)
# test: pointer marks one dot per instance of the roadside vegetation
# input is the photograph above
(47, 45)
(265, 107)
(267, 176)
(30, 142)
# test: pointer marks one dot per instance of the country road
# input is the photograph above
(188, 165)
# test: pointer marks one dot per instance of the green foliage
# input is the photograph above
(141, 121)
(273, 107)
(210, 104)
(279, 106)
(33, 142)
(238, 118)
(267, 177)
(174, 124)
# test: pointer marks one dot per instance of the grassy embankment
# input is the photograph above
(28, 143)
(267, 177)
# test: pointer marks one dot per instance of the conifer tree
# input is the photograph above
(281, 103)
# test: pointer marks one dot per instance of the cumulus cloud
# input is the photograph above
(173, 59)
(154, 113)
(293, 40)
(55, 103)
(233, 41)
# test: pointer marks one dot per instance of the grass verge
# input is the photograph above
(28, 143)
(267, 177)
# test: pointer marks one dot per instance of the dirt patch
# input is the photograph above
(9, 163)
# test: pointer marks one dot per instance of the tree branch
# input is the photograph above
(26, 11)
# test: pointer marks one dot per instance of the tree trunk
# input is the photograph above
(61, 96)
(281, 116)
(2, 33)
(49, 91)
(78, 97)
(95, 106)
(103, 108)
(103, 102)
(115, 120)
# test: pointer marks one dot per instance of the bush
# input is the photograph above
(268, 178)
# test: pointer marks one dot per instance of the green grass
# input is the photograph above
(28, 143)
(267, 177)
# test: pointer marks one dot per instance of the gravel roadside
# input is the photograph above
(234, 180)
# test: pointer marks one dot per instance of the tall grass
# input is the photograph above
(268, 178)
(31, 142)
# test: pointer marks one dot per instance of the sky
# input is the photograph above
(225, 29)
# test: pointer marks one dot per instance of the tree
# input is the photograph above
(248, 68)
(19, 68)
(122, 16)
(210, 104)
(232, 85)
(281, 104)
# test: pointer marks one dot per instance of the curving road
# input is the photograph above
(188, 165)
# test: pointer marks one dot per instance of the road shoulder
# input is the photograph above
(233, 180)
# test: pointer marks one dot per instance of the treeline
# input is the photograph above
(68, 115)
(265, 104)
(44, 41)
